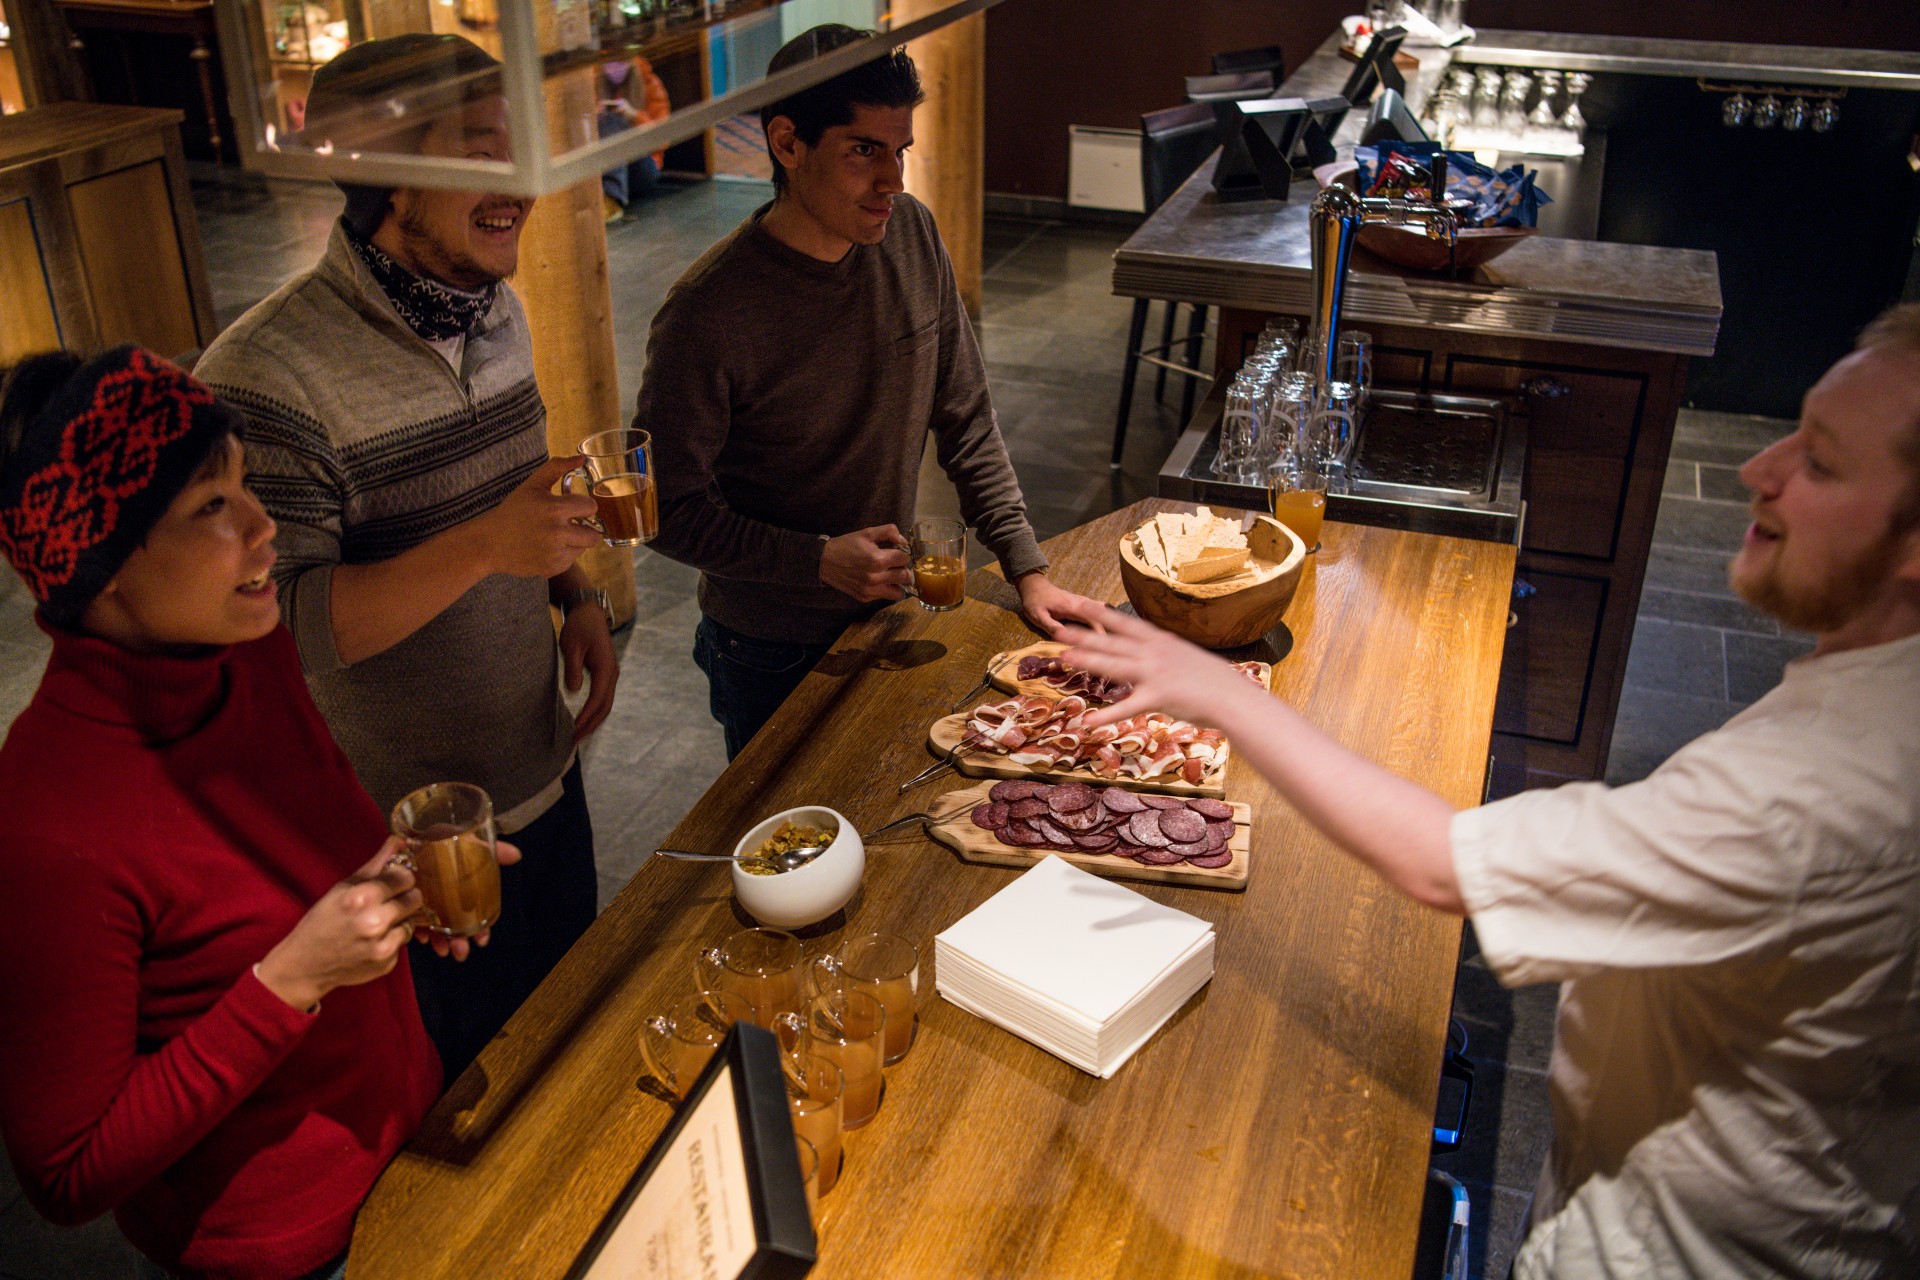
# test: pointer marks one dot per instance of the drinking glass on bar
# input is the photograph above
(848, 1028)
(1298, 486)
(1336, 422)
(677, 1044)
(814, 1089)
(449, 834)
(617, 467)
(1289, 414)
(886, 967)
(809, 1174)
(762, 966)
(1353, 365)
(1239, 433)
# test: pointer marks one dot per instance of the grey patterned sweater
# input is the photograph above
(362, 442)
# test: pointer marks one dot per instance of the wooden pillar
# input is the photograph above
(562, 281)
(948, 162)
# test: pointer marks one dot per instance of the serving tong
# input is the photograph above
(986, 682)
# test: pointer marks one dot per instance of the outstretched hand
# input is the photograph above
(1167, 673)
(461, 948)
(1046, 604)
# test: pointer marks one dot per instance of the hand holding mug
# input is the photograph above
(352, 935)
(867, 564)
(534, 532)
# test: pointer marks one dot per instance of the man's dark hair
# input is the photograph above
(384, 95)
(888, 81)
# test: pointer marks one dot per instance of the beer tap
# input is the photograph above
(1337, 213)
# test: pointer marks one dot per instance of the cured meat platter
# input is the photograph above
(1048, 678)
(1091, 817)
(949, 732)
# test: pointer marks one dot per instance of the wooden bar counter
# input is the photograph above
(1277, 1125)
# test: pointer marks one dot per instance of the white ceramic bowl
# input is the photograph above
(806, 895)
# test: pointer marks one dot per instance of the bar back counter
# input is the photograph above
(1584, 344)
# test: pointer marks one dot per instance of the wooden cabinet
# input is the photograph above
(1599, 427)
(99, 244)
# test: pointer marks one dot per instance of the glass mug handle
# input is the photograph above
(911, 590)
(656, 1051)
(709, 970)
(823, 973)
(791, 1028)
(566, 487)
(405, 859)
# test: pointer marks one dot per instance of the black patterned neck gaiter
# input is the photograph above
(430, 309)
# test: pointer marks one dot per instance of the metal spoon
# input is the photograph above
(787, 860)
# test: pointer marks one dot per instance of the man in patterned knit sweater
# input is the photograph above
(397, 437)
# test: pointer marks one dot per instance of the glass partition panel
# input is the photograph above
(520, 97)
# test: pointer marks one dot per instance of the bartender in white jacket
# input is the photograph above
(1736, 1065)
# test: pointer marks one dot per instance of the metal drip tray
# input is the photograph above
(1430, 463)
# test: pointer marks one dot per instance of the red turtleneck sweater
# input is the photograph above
(168, 820)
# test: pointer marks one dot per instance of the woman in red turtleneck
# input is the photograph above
(206, 1020)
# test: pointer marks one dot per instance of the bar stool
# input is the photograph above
(1173, 143)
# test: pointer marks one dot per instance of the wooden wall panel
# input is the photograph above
(131, 247)
(26, 321)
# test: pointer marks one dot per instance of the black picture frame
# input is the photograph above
(1376, 68)
(1268, 144)
(748, 1064)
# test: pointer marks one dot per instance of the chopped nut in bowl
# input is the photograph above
(809, 893)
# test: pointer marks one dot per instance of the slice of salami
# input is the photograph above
(1159, 857)
(1096, 844)
(1071, 797)
(1224, 829)
(1027, 809)
(1163, 802)
(1190, 849)
(1216, 840)
(1214, 810)
(1182, 826)
(1081, 820)
(1019, 833)
(1145, 828)
(1212, 860)
(1012, 789)
(1121, 800)
(1053, 831)
(984, 816)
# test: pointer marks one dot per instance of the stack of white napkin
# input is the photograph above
(1085, 968)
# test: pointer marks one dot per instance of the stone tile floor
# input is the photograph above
(1053, 336)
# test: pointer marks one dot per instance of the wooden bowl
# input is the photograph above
(1224, 614)
(1409, 247)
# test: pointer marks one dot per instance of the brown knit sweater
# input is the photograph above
(790, 399)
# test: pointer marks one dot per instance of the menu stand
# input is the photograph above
(720, 1193)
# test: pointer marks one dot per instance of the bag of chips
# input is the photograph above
(1479, 196)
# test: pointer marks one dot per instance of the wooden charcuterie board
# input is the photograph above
(953, 826)
(949, 731)
(1005, 664)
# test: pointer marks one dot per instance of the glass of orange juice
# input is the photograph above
(1298, 486)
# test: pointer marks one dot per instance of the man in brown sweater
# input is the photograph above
(793, 375)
